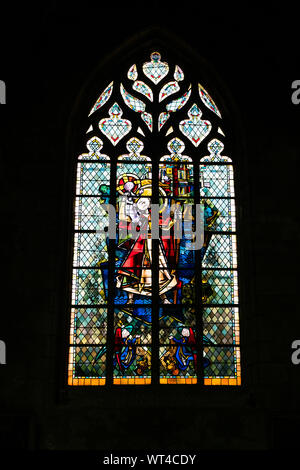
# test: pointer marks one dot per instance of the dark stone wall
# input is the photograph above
(49, 53)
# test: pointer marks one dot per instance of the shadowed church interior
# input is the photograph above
(58, 75)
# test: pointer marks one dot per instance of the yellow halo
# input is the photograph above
(145, 190)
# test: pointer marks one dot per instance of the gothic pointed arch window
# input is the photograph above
(150, 304)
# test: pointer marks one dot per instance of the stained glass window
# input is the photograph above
(155, 280)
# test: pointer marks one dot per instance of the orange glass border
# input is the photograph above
(132, 381)
(178, 380)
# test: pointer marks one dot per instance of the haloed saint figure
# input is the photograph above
(135, 274)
